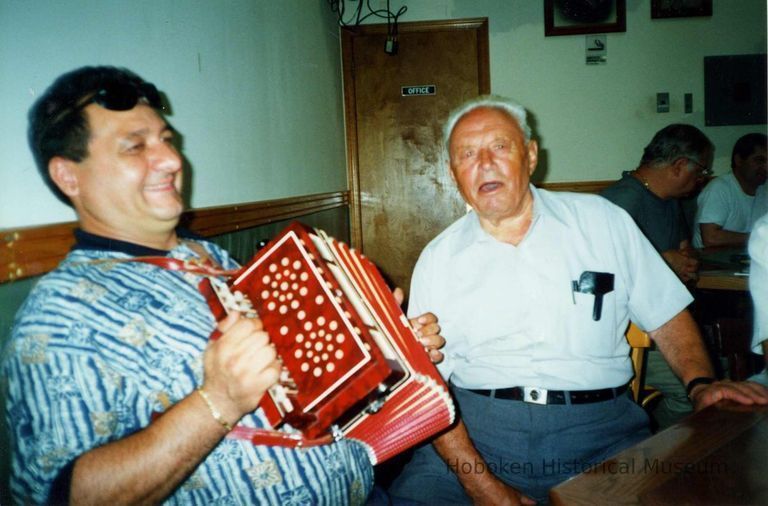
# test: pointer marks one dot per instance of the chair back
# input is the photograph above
(640, 343)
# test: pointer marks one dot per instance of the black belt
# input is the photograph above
(544, 396)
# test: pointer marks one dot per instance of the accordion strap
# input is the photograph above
(268, 437)
(276, 438)
(204, 265)
(195, 266)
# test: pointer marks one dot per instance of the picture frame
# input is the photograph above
(661, 9)
(575, 17)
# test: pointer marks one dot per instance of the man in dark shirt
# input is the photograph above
(673, 163)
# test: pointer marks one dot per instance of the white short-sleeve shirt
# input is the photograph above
(758, 280)
(724, 203)
(509, 314)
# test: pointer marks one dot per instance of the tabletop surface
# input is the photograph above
(716, 456)
(723, 268)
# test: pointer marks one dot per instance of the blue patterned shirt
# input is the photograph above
(98, 347)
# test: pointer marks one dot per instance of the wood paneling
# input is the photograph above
(31, 251)
(223, 219)
(577, 186)
(35, 250)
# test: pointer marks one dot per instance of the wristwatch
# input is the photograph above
(701, 380)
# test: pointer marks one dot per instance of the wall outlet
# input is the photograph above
(662, 102)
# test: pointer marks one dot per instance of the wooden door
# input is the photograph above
(401, 192)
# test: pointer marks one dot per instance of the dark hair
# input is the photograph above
(747, 144)
(676, 141)
(57, 123)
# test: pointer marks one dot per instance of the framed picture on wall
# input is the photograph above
(680, 8)
(574, 17)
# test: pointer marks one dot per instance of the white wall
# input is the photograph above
(256, 90)
(254, 86)
(594, 120)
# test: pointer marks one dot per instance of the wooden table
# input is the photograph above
(723, 280)
(716, 456)
(723, 268)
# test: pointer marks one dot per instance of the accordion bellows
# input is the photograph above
(351, 361)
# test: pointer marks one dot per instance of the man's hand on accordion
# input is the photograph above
(239, 367)
(428, 330)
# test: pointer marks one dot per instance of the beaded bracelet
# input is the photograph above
(214, 412)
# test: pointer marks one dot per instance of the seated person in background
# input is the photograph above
(535, 291)
(675, 161)
(725, 213)
(758, 287)
(102, 343)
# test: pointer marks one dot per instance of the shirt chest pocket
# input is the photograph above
(593, 324)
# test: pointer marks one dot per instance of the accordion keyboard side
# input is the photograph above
(419, 406)
(349, 354)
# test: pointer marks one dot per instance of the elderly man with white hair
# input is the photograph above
(534, 291)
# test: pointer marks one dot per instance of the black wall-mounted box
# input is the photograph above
(735, 90)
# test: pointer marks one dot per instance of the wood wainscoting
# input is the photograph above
(31, 251)
(577, 186)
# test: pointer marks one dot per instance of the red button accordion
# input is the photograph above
(351, 362)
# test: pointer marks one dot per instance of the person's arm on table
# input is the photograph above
(683, 261)
(148, 465)
(713, 234)
(681, 345)
(455, 448)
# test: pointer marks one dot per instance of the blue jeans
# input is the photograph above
(529, 446)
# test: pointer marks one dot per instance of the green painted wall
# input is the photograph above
(254, 86)
(594, 120)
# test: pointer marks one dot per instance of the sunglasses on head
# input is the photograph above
(116, 96)
(122, 96)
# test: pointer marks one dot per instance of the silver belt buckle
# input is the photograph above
(535, 395)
